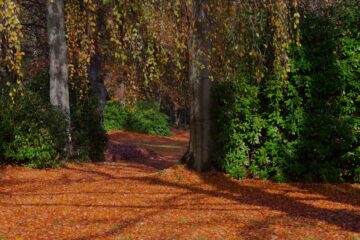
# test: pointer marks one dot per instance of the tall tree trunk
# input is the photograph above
(198, 155)
(97, 82)
(95, 74)
(59, 71)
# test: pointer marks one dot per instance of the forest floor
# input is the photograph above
(138, 193)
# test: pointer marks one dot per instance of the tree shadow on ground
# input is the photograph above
(223, 187)
(338, 193)
(253, 196)
(137, 154)
(242, 196)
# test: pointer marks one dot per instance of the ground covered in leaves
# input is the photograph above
(138, 193)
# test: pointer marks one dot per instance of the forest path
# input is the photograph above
(136, 194)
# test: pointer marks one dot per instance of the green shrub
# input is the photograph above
(89, 138)
(31, 132)
(357, 175)
(35, 149)
(307, 126)
(145, 118)
(87, 133)
(4, 131)
(115, 117)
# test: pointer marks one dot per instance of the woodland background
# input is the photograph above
(284, 79)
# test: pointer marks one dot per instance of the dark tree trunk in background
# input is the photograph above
(95, 72)
(198, 154)
(97, 81)
(59, 71)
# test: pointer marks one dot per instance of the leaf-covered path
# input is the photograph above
(135, 195)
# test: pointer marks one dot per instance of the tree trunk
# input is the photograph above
(97, 82)
(59, 71)
(96, 77)
(199, 45)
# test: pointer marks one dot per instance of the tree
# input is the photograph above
(59, 72)
(199, 45)
(95, 74)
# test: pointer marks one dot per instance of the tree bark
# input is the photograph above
(199, 45)
(97, 82)
(59, 71)
(95, 72)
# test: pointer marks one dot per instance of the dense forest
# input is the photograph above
(270, 89)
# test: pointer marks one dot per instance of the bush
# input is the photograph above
(303, 128)
(4, 130)
(145, 118)
(89, 138)
(87, 133)
(31, 132)
(115, 117)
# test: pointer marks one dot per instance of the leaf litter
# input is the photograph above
(140, 192)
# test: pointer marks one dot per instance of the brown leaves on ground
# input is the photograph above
(133, 196)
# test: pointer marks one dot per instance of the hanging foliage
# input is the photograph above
(148, 40)
(81, 27)
(10, 46)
